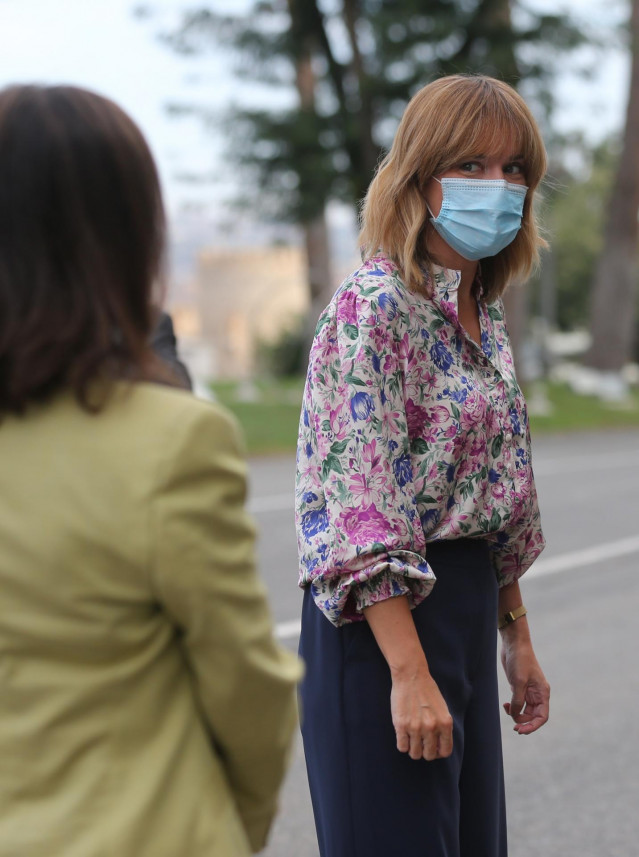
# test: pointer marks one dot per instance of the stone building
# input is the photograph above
(244, 297)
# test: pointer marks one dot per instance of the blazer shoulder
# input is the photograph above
(181, 411)
(149, 426)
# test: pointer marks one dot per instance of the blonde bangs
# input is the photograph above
(491, 119)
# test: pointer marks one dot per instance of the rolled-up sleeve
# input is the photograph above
(360, 537)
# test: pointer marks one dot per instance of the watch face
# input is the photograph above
(512, 616)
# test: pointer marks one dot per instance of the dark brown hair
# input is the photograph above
(82, 235)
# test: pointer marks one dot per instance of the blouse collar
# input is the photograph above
(444, 288)
(445, 282)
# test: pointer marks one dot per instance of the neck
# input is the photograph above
(443, 255)
(466, 267)
(468, 273)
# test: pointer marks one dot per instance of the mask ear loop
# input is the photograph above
(430, 210)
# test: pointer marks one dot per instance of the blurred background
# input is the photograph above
(267, 120)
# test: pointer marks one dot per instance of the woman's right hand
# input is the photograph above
(423, 724)
(422, 721)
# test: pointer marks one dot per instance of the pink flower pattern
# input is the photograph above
(410, 433)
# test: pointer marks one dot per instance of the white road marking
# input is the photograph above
(287, 630)
(585, 556)
(552, 565)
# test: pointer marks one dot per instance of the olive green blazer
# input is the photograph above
(145, 709)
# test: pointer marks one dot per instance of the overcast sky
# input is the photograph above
(100, 44)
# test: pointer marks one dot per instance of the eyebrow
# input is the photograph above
(482, 157)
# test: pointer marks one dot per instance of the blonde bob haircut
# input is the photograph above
(451, 120)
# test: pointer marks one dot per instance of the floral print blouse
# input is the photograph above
(410, 433)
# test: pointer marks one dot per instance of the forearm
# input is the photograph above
(509, 599)
(530, 691)
(395, 633)
(423, 724)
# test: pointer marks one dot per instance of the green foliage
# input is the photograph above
(286, 356)
(577, 226)
(574, 218)
(574, 412)
(271, 423)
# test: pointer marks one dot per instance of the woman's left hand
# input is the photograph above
(530, 699)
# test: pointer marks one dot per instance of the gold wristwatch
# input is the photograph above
(511, 616)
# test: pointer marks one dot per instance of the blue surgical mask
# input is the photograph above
(479, 217)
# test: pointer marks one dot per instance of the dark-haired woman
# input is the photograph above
(416, 505)
(145, 710)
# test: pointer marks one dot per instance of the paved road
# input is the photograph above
(573, 788)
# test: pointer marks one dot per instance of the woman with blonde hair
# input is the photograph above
(416, 505)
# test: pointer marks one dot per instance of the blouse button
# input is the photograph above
(508, 436)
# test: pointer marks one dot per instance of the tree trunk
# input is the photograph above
(316, 242)
(516, 311)
(614, 294)
(319, 271)
(365, 163)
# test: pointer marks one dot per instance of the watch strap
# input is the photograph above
(511, 616)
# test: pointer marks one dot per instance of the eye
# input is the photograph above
(516, 169)
(469, 167)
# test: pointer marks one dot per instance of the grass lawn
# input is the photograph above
(572, 412)
(269, 412)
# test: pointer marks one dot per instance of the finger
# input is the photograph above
(516, 705)
(523, 717)
(533, 719)
(531, 726)
(445, 747)
(416, 745)
(429, 746)
(403, 742)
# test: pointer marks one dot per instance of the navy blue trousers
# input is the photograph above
(370, 800)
